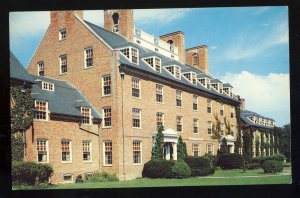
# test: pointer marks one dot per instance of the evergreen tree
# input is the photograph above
(181, 148)
(157, 149)
(224, 148)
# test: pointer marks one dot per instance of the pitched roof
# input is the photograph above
(65, 99)
(244, 114)
(17, 71)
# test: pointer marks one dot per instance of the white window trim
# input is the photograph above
(102, 82)
(47, 147)
(140, 88)
(47, 111)
(199, 82)
(162, 93)
(174, 75)
(88, 48)
(181, 98)
(196, 103)
(66, 162)
(68, 174)
(222, 108)
(130, 54)
(107, 165)
(48, 89)
(154, 66)
(181, 124)
(210, 127)
(199, 148)
(140, 119)
(211, 107)
(38, 67)
(60, 34)
(141, 152)
(60, 65)
(90, 115)
(212, 146)
(191, 74)
(163, 118)
(107, 107)
(197, 121)
(91, 153)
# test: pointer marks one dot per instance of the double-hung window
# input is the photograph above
(136, 118)
(42, 150)
(195, 102)
(209, 106)
(209, 127)
(195, 125)
(41, 68)
(136, 87)
(159, 93)
(132, 54)
(63, 64)
(86, 115)
(41, 109)
(66, 150)
(221, 109)
(210, 149)
(86, 149)
(62, 34)
(179, 123)
(178, 98)
(108, 153)
(107, 117)
(88, 57)
(159, 119)
(106, 85)
(137, 156)
(195, 149)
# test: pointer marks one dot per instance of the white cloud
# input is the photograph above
(267, 95)
(259, 10)
(158, 16)
(247, 46)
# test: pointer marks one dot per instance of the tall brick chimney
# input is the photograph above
(242, 104)
(177, 38)
(64, 17)
(197, 57)
(119, 21)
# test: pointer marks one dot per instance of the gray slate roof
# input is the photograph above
(17, 71)
(245, 113)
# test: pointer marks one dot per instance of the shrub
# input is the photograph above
(102, 177)
(28, 172)
(180, 169)
(79, 179)
(272, 166)
(262, 159)
(158, 169)
(200, 166)
(231, 161)
(212, 158)
(253, 166)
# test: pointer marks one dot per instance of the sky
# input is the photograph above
(248, 47)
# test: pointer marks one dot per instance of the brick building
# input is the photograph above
(138, 82)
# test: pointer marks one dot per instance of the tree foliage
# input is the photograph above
(283, 140)
(223, 149)
(181, 148)
(17, 148)
(247, 144)
(157, 149)
(216, 128)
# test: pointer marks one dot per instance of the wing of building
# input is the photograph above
(137, 81)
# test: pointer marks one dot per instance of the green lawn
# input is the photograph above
(221, 177)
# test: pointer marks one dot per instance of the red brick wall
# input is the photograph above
(202, 52)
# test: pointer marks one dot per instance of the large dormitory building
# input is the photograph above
(100, 94)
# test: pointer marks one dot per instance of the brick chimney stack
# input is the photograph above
(242, 104)
(197, 57)
(64, 17)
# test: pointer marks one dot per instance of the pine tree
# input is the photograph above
(157, 150)
(181, 148)
(223, 149)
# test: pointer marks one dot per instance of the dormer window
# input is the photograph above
(191, 76)
(47, 86)
(228, 91)
(174, 70)
(132, 54)
(215, 86)
(86, 115)
(205, 82)
(62, 34)
(221, 88)
(154, 62)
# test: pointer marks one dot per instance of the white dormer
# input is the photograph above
(131, 53)
(47, 86)
(205, 82)
(154, 62)
(191, 77)
(175, 70)
(221, 88)
(228, 91)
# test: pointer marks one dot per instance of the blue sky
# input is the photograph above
(248, 46)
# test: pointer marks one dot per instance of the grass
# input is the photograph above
(221, 177)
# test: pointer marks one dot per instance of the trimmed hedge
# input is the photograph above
(272, 166)
(180, 169)
(253, 166)
(231, 161)
(29, 172)
(262, 159)
(200, 166)
(158, 169)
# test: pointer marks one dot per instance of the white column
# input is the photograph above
(174, 151)
(167, 146)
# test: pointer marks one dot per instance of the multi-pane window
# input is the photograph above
(215, 86)
(86, 149)
(107, 116)
(136, 118)
(157, 64)
(48, 86)
(159, 119)
(154, 62)
(221, 109)
(63, 64)
(41, 68)
(232, 112)
(136, 147)
(40, 112)
(66, 150)
(174, 70)
(191, 76)
(195, 149)
(62, 34)
(106, 85)
(42, 150)
(208, 106)
(126, 52)
(107, 153)
(195, 102)
(179, 123)
(210, 149)
(159, 93)
(136, 87)
(134, 53)
(178, 98)
(86, 115)
(89, 57)
(209, 127)
(222, 127)
(131, 53)
(195, 125)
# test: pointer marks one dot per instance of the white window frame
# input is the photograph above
(60, 64)
(162, 93)
(90, 150)
(153, 62)
(195, 96)
(62, 36)
(103, 113)
(47, 150)
(46, 110)
(178, 91)
(222, 109)
(209, 126)
(103, 81)
(140, 152)
(192, 77)
(174, 68)
(140, 118)
(47, 86)
(130, 58)
(104, 151)
(197, 147)
(212, 148)
(181, 123)
(70, 150)
(232, 112)
(209, 104)
(84, 117)
(197, 123)
(41, 64)
(139, 87)
(162, 118)
(85, 57)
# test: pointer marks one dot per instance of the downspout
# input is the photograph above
(99, 152)
(123, 134)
